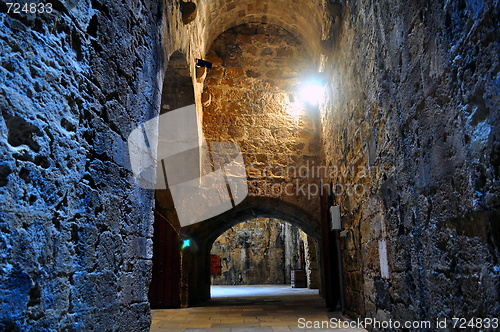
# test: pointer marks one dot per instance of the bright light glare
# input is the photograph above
(311, 92)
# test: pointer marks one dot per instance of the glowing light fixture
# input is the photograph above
(185, 244)
(311, 91)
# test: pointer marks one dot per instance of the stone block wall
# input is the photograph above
(413, 112)
(250, 99)
(75, 230)
(311, 260)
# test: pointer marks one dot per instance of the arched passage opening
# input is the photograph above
(205, 234)
(264, 251)
(249, 99)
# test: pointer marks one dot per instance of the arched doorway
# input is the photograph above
(206, 233)
(264, 251)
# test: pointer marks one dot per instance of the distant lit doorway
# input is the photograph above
(265, 251)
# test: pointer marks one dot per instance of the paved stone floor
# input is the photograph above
(249, 308)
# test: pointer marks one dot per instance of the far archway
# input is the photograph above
(196, 266)
(265, 251)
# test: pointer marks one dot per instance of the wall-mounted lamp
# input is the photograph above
(203, 63)
(201, 69)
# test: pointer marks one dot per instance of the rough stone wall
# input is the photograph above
(414, 99)
(256, 67)
(292, 254)
(74, 228)
(311, 259)
(256, 252)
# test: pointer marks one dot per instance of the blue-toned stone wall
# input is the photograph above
(75, 229)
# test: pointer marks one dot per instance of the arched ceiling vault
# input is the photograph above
(253, 207)
(303, 18)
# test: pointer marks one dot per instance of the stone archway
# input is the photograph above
(262, 251)
(303, 18)
(197, 259)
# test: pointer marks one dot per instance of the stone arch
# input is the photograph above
(266, 207)
(302, 18)
(248, 101)
(205, 233)
(221, 99)
(261, 207)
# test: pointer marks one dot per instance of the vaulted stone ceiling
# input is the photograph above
(302, 18)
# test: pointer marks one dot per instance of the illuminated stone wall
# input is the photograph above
(250, 98)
